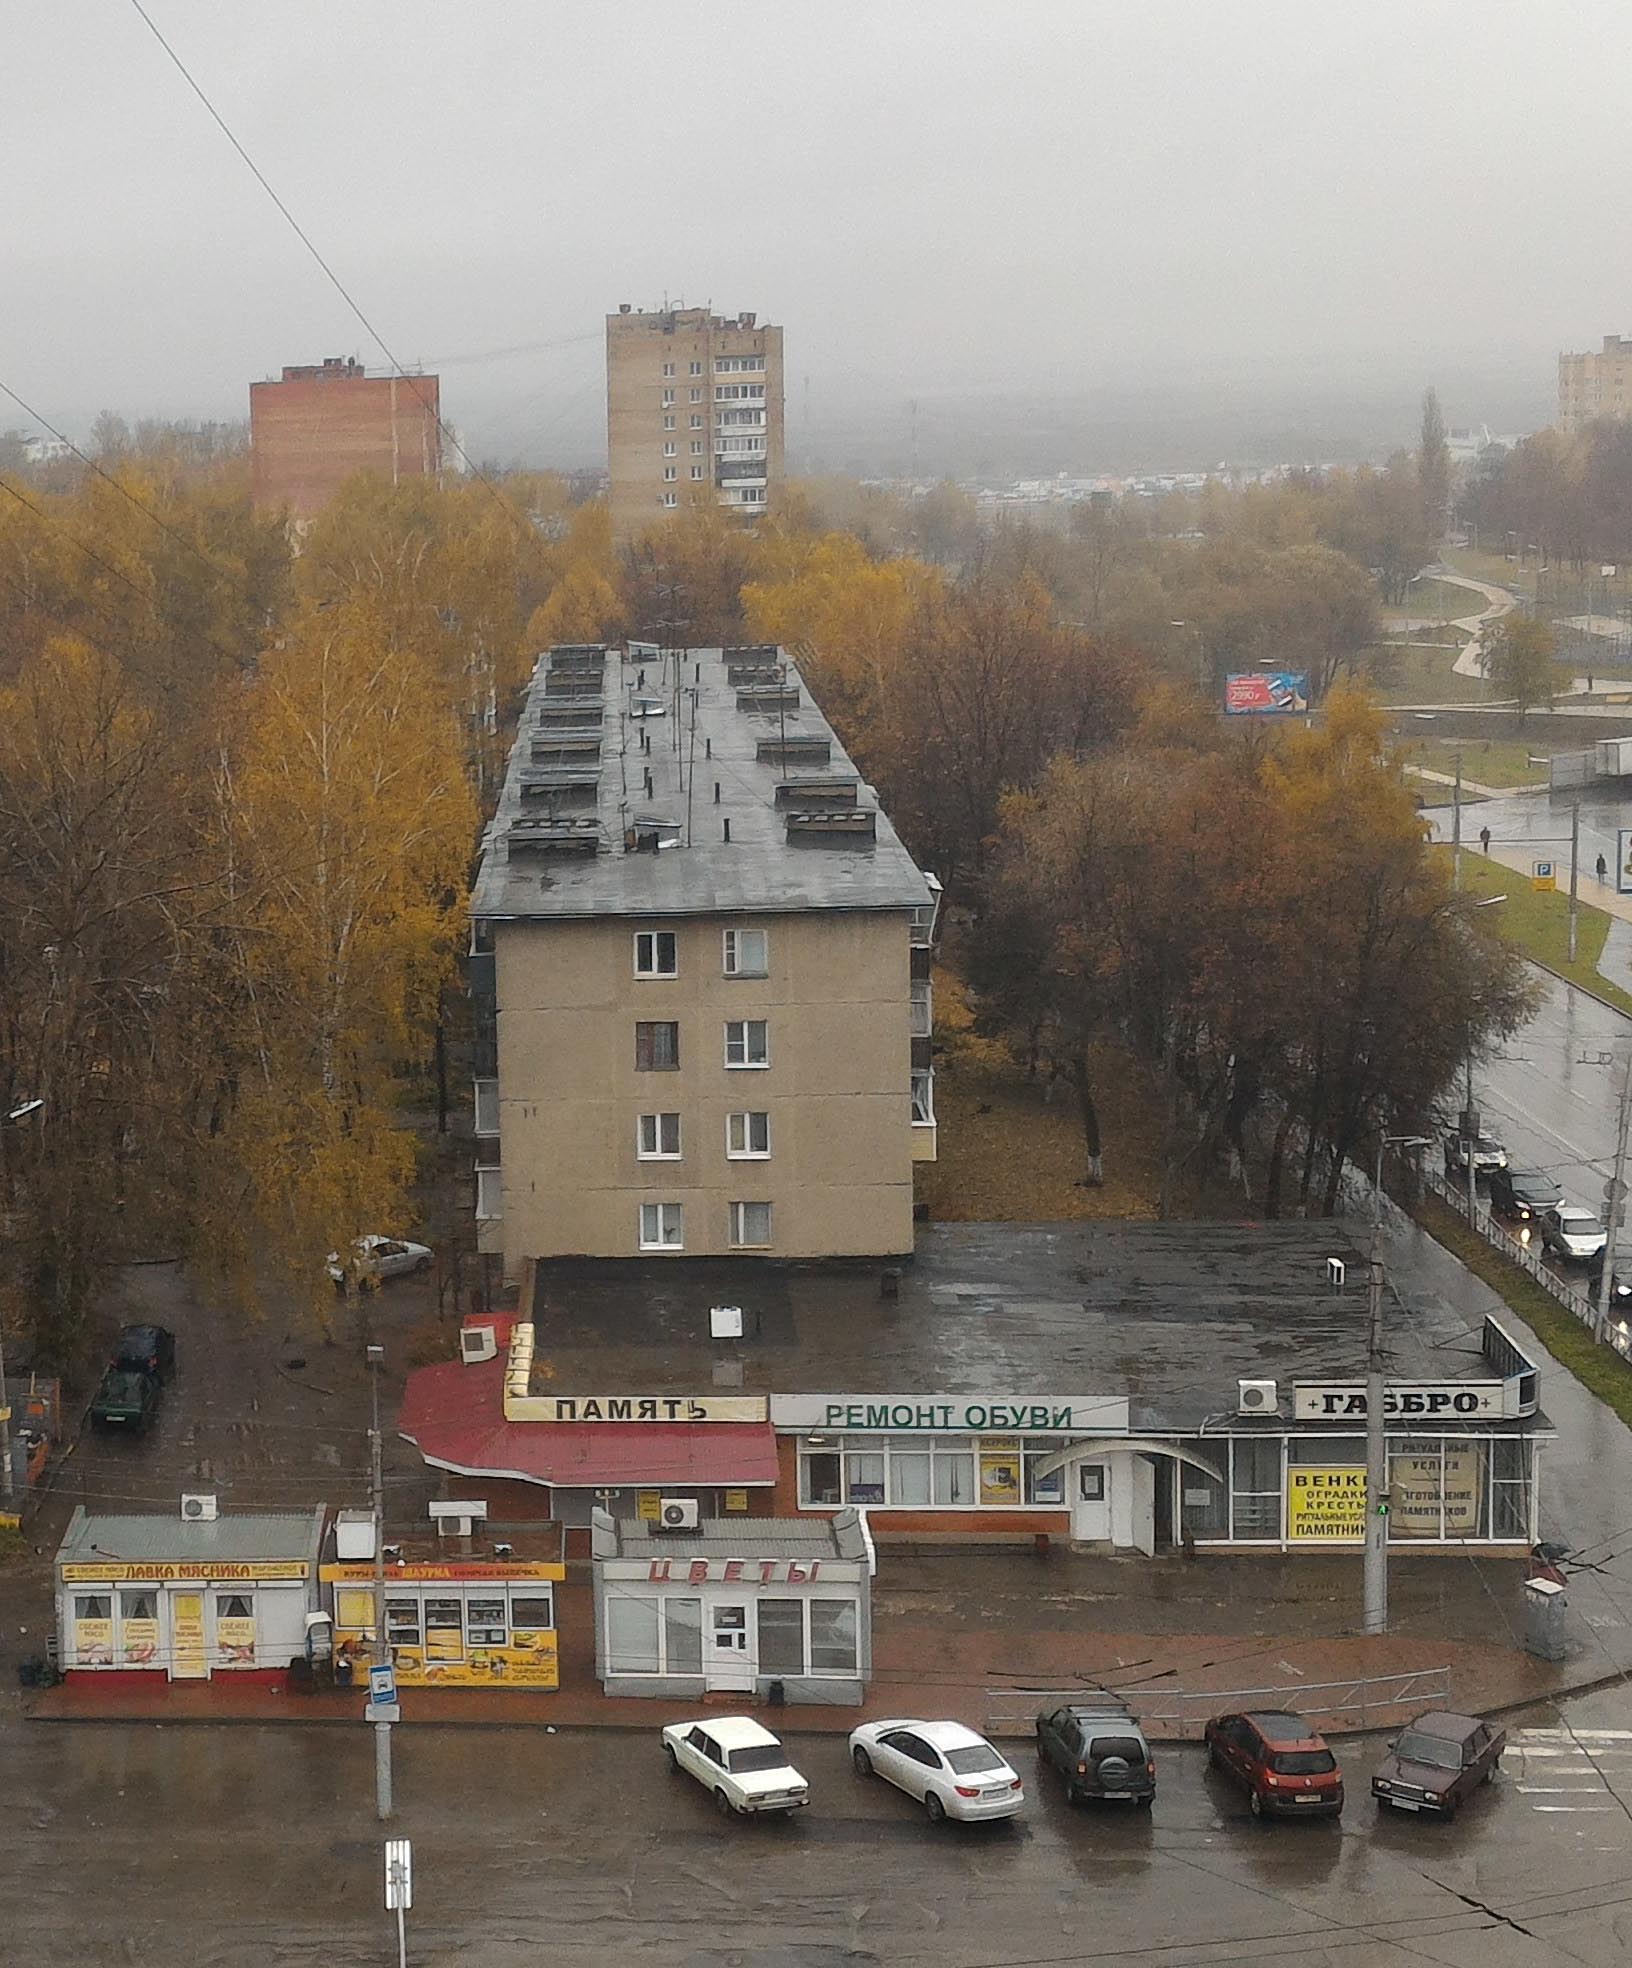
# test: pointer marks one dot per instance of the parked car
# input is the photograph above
(1620, 1284)
(145, 1349)
(126, 1400)
(743, 1766)
(1284, 1765)
(951, 1771)
(1486, 1151)
(1523, 1195)
(1573, 1234)
(374, 1259)
(1102, 1752)
(1435, 1763)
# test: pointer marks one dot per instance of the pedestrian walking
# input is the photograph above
(1603, 869)
(1484, 840)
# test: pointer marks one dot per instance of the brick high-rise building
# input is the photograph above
(1595, 384)
(322, 421)
(693, 410)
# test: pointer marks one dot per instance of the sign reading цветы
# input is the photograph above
(953, 1414)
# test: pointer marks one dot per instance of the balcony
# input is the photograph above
(923, 1009)
(487, 1107)
(923, 1114)
(739, 471)
(489, 1192)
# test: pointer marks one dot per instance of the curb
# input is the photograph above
(1575, 984)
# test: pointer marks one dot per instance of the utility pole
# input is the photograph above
(1456, 827)
(1614, 1203)
(1375, 1560)
(1575, 856)
(1470, 1139)
(382, 1653)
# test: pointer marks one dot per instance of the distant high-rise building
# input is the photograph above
(693, 411)
(1595, 384)
(322, 421)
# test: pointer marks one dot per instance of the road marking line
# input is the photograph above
(1562, 1790)
(1575, 1735)
(1574, 1807)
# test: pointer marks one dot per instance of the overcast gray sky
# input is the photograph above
(938, 199)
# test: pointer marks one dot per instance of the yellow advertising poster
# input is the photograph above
(736, 1499)
(187, 1662)
(1000, 1470)
(139, 1641)
(1326, 1506)
(1416, 1491)
(93, 1642)
(529, 1661)
(235, 1639)
(649, 1506)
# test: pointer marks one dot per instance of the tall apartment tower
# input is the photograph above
(1595, 384)
(693, 411)
(322, 421)
(700, 974)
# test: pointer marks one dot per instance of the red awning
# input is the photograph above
(454, 1415)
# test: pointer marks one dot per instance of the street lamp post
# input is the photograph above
(8, 1481)
(382, 1653)
(1375, 1561)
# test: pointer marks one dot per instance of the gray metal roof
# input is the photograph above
(165, 1536)
(758, 871)
(1169, 1314)
(725, 1537)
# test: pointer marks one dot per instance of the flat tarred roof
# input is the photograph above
(454, 1415)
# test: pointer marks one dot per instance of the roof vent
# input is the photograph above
(650, 834)
(769, 701)
(553, 833)
(834, 823)
(791, 751)
(817, 791)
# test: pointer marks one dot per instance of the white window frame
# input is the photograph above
(656, 1219)
(668, 398)
(489, 1192)
(657, 1152)
(671, 448)
(696, 368)
(696, 422)
(648, 951)
(742, 1027)
(669, 499)
(739, 1126)
(732, 960)
(668, 420)
(668, 368)
(699, 471)
(670, 474)
(738, 1226)
(698, 447)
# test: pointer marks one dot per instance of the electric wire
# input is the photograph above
(51, 519)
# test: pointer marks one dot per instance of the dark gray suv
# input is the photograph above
(1100, 1750)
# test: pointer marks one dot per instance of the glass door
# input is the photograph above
(730, 1662)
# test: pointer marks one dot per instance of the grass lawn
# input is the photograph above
(1539, 923)
(1492, 567)
(1425, 676)
(1489, 761)
(1429, 600)
(1598, 1368)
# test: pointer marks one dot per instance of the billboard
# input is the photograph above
(1623, 861)
(1266, 693)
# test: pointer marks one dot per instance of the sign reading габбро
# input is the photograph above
(1326, 1506)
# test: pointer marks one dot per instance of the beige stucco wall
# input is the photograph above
(837, 1089)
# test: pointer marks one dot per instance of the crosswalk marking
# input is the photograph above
(1571, 1764)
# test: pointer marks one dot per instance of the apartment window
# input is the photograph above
(662, 1226)
(747, 1042)
(670, 472)
(697, 447)
(670, 448)
(656, 954)
(668, 368)
(699, 471)
(657, 1046)
(696, 396)
(668, 421)
(747, 953)
(668, 398)
(696, 368)
(489, 1192)
(659, 1138)
(748, 1136)
(750, 1226)
(696, 420)
(670, 499)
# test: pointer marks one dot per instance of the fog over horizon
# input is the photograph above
(1051, 236)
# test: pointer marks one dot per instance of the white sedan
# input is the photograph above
(374, 1258)
(1573, 1234)
(951, 1770)
(743, 1766)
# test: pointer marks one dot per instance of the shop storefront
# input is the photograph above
(156, 1594)
(773, 1610)
(483, 1621)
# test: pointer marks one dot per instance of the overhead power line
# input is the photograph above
(90, 553)
(306, 240)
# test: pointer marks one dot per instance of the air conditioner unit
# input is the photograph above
(199, 1509)
(678, 1513)
(477, 1343)
(456, 1519)
(1256, 1397)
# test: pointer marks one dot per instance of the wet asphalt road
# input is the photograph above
(229, 1847)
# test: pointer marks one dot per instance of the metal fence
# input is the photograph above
(1353, 1704)
(1525, 1256)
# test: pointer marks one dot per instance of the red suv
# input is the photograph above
(1285, 1766)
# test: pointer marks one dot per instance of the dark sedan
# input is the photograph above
(145, 1349)
(126, 1401)
(1524, 1195)
(1436, 1763)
